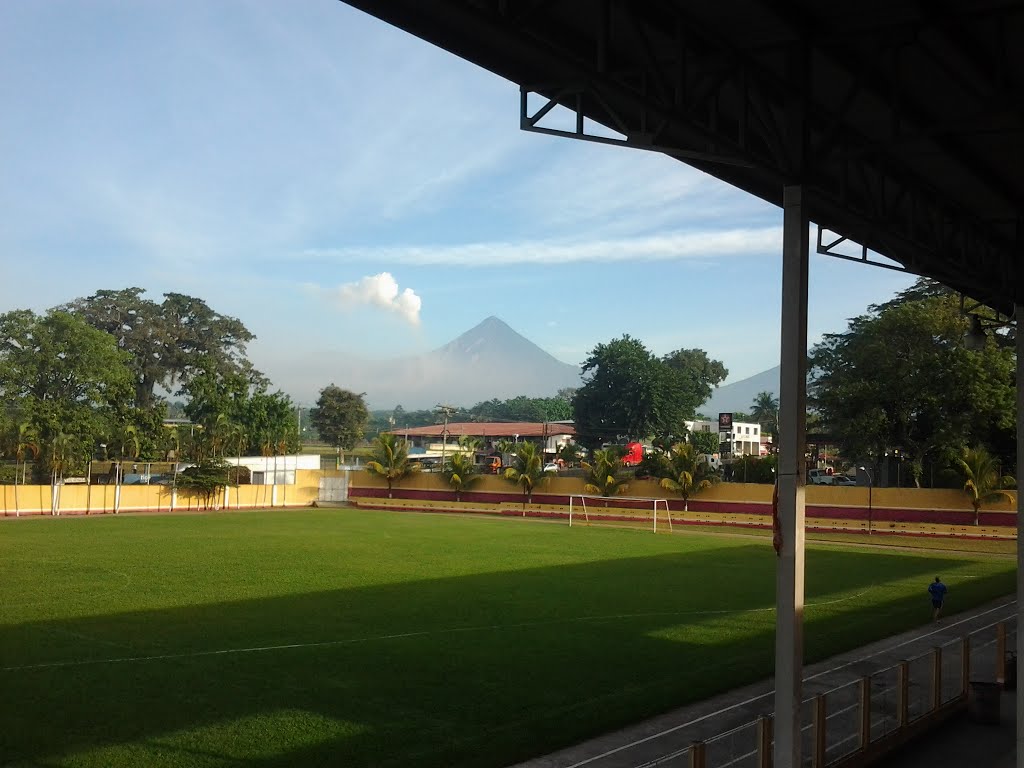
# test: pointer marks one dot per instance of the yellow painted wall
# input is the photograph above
(100, 499)
(817, 495)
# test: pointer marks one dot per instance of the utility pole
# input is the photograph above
(447, 410)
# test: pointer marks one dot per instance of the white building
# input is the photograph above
(743, 440)
(275, 470)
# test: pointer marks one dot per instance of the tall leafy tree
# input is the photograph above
(221, 402)
(627, 393)
(901, 378)
(698, 376)
(66, 378)
(169, 342)
(705, 442)
(340, 417)
(389, 459)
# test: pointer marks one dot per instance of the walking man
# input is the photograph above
(937, 590)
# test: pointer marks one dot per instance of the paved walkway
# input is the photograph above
(662, 741)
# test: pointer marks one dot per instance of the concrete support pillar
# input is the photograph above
(789, 580)
(1018, 313)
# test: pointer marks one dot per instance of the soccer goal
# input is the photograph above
(578, 503)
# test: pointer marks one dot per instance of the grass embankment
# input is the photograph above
(385, 639)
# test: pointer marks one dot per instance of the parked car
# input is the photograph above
(843, 480)
(820, 477)
(551, 466)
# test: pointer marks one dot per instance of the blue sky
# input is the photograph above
(352, 193)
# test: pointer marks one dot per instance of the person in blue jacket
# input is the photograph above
(937, 590)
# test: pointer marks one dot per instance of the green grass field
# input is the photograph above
(339, 637)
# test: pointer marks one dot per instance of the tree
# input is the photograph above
(527, 470)
(389, 458)
(765, 411)
(23, 443)
(65, 377)
(340, 417)
(688, 475)
(706, 443)
(627, 393)
(219, 402)
(459, 472)
(698, 374)
(170, 342)
(207, 480)
(901, 378)
(982, 482)
(603, 474)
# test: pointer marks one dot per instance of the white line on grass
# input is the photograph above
(401, 635)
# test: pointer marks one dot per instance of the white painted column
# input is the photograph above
(1018, 314)
(789, 578)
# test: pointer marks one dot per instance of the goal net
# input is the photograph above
(582, 504)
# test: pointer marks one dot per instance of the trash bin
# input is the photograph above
(983, 702)
(1010, 672)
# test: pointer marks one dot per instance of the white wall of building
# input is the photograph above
(744, 439)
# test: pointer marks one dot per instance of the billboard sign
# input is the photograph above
(725, 422)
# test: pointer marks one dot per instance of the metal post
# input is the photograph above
(1001, 653)
(936, 678)
(698, 754)
(820, 736)
(789, 580)
(865, 712)
(902, 694)
(764, 742)
(965, 666)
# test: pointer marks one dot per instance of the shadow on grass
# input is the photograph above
(478, 670)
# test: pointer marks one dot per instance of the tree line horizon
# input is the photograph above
(84, 379)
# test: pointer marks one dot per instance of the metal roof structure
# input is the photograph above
(895, 125)
(903, 119)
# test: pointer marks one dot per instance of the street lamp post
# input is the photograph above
(871, 485)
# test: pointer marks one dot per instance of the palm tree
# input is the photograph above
(527, 470)
(62, 453)
(603, 474)
(220, 433)
(26, 442)
(982, 482)
(170, 442)
(470, 444)
(459, 472)
(389, 458)
(765, 411)
(129, 446)
(688, 474)
(239, 439)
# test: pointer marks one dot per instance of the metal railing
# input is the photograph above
(871, 713)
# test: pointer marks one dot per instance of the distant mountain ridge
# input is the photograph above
(490, 360)
(739, 396)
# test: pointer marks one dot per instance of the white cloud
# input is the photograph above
(378, 291)
(662, 247)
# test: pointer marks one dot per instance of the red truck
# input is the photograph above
(634, 454)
